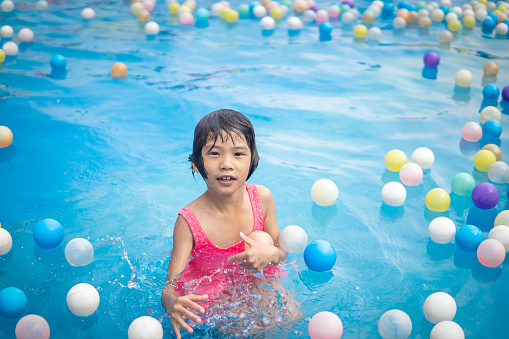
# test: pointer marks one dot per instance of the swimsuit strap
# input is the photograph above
(256, 205)
(199, 236)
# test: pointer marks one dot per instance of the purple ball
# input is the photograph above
(431, 59)
(314, 8)
(505, 93)
(348, 2)
(485, 196)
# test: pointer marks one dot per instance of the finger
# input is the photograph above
(180, 322)
(236, 257)
(247, 239)
(176, 328)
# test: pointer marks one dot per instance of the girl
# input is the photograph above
(212, 229)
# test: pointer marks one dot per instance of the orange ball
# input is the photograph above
(403, 15)
(143, 15)
(5, 136)
(368, 17)
(413, 16)
(260, 236)
(491, 69)
(118, 70)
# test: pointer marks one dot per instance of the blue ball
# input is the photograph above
(58, 61)
(388, 8)
(468, 238)
(48, 233)
(445, 9)
(325, 28)
(202, 14)
(320, 256)
(488, 25)
(491, 91)
(493, 16)
(13, 303)
(492, 128)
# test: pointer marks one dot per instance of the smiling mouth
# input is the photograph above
(226, 178)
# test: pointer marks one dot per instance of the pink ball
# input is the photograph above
(472, 131)
(271, 5)
(325, 325)
(491, 253)
(186, 18)
(410, 174)
(32, 326)
(321, 16)
(334, 11)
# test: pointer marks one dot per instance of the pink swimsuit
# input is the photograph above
(208, 271)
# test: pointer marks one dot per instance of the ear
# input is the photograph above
(195, 168)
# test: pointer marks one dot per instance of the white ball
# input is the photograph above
(502, 28)
(145, 327)
(423, 157)
(500, 233)
(399, 22)
(7, 6)
(445, 37)
(378, 3)
(442, 230)
(395, 324)
(490, 112)
(481, 14)
(457, 10)
(463, 78)
(293, 239)
(437, 15)
(79, 252)
(294, 23)
(26, 35)
(393, 193)
(374, 33)
(83, 299)
(308, 15)
(152, 27)
(259, 11)
(498, 172)
(137, 7)
(6, 31)
(423, 12)
(450, 16)
(324, 192)
(491, 6)
(41, 5)
(446, 3)
(268, 23)
(468, 12)
(184, 9)
(10, 48)
(348, 17)
(216, 8)
(87, 13)
(438, 307)
(447, 330)
(5, 241)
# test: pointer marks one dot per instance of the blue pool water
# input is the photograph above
(107, 159)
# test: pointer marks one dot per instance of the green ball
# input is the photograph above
(243, 10)
(463, 184)
(344, 8)
(287, 3)
(420, 4)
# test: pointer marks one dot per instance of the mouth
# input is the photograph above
(226, 178)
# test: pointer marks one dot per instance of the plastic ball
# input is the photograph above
(2, 55)
(393, 193)
(445, 37)
(471, 131)
(259, 11)
(442, 230)
(374, 33)
(360, 31)
(431, 59)
(321, 16)
(368, 17)
(491, 253)
(268, 23)
(48, 233)
(277, 13)
(137, 7)
(423, 157)
(488, 25)
(79, 252)
(468, 238)
(394, 160)
(438, 307)
(437, 15)
(293, 239)
(13, 303)
(151, 28)
(463, 184)
(26, 35)
(58, 61)
(483, 159)
(424, 22)
(300, 5)
(202, 14)
(447, 330)
(143, 15)
(480, 14)
(118, 70)
(10, 48)
(173, 8)
(334, 11)
(6, 31)
(394, 324)
(505, 93)
(325, 325)
(492, 128)
(411, 174)
(324, 192)
(491, 69)
(490, 112)
(438, 200)
(496, 150)
(502, 218)
(83, 299)
(32, 326)
(231, 16)
(325, 29)
(186, 19)
(348, 17)
(41, 5)
(5, 136)
(399, 22)
(413, 17)
(308, 16)
(87, 13)
(501, 28)
(243, 10)
(145, 327)
(469, 21)
(485, 196)
(7, 6)
(463, 78)
(501, 233)
(5, 241)
(454, 25)
(491, 91)
(259, 236)
(294, 23)
(320, 256)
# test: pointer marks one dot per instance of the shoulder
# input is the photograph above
(265, 194)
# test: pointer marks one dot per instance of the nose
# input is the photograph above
(226, 162)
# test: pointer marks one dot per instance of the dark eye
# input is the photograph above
(239, 154)
(213, 153)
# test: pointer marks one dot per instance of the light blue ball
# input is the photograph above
(492, 128)
(491, 91)
(202, 14)
(395, 324)
(13, 303)
(58, 61)
(325, 28)
(320, 256)
(468, 238)
(48, 233)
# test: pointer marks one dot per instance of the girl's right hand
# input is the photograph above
(182, 309)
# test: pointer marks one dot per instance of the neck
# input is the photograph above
(225, 203)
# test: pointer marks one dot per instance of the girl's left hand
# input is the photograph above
(258, 257)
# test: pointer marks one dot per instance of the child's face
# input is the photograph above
(227, 162)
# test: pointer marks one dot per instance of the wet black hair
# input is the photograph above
(215, 125)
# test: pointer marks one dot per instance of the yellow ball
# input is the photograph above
(496, 12)
(483, 2)
(501, 8)
(395, 159)
(2, 55)
(5, 136)
(277, 13)
(190, 5)
(360, 31)
(224, 11)
(173, 8)
(469, 21)
(438, 200)
(484, 159)
(454, 25)
(231, 16)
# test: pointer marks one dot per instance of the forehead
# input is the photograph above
(235, 138)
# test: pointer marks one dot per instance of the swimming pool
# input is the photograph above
(107, 159)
